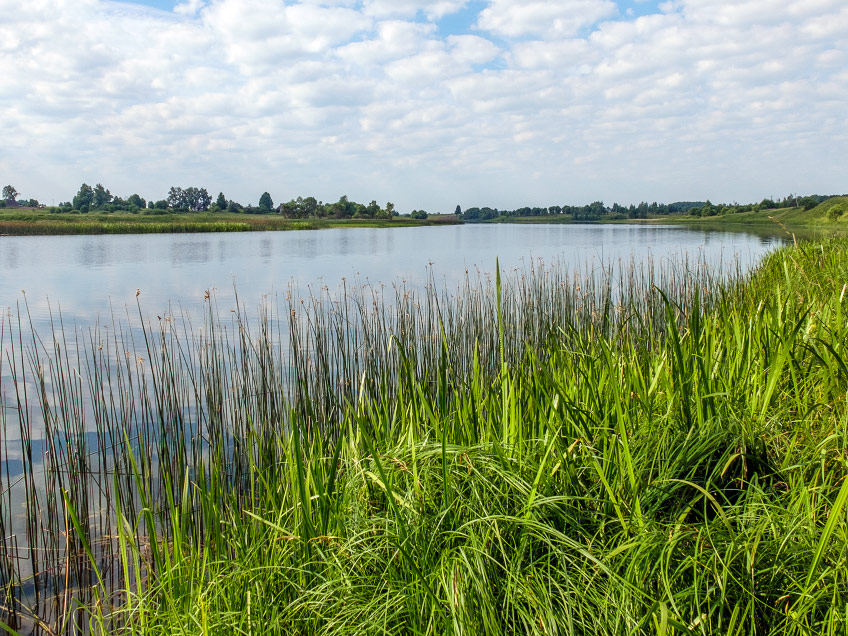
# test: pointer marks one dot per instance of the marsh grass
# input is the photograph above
(37, 222)
(632, 450)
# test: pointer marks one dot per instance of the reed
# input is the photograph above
(541, 452)
(41, 222)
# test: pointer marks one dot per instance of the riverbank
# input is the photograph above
(27, 221)
(540, 456)
(829, 216)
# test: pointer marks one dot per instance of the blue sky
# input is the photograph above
(427, 103)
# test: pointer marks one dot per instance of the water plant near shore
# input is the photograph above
(550, 453)
(39, 222)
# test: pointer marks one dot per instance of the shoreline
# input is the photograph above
(44, 223)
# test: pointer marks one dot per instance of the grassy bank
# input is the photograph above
(829, 215)
(32, 222)
(544, 455)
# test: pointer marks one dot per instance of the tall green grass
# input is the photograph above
(634, 450)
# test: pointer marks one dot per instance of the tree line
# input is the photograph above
(10, 199)
(597, 210)
(195, 199)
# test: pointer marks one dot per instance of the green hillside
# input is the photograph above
(827, 212)
(831, 213)
(834, 209)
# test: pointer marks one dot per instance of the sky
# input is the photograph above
(430, 105)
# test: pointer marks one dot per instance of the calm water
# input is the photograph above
(86, 275)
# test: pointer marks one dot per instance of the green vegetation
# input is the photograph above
(791, 210)
(831, 213)
(22, 221)
(189, 209)
(193, 200)
(550, 453)
(95, 210)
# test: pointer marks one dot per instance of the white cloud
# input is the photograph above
(514, 18)
(394, 39)
(470, 49)
(189, 7)
(409, 8)
(707, 98)
(258, 35)
(570, 55)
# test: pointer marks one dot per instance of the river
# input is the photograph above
(89, 277)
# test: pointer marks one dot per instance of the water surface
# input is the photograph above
(87, 277)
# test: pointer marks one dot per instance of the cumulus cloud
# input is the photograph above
(538, 103)
(393, 39)
(189, 7)
(410, 8)
(513, 18)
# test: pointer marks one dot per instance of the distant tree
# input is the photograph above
(84, 198)
(310, 206)
(101, 196)
(233, 207)
(371, 210)
(343, 208)
(293, 209)
(808, 203)
(9, 193)
(458, 211)
(418, 214)
(199, 199)
(161, 204)
(265, 202)
(176, 198)
(136, 200)
(193, 199)
(596, 209)
(221, 201)
(390, 208)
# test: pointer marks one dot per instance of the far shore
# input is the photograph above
(41, 221)
(829, 217)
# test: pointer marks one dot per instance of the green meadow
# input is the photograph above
(830, 215)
